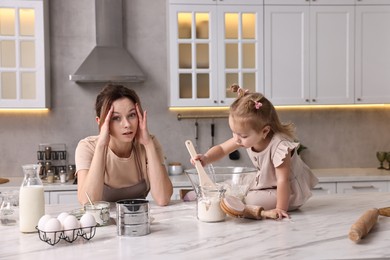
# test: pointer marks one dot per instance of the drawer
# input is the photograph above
(63, 197)
(324, 188)
(362, 186)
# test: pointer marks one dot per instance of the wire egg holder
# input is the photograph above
(54, 237)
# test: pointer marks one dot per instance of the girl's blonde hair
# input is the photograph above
(256, 111)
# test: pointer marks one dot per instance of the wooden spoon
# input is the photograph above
(204, 179)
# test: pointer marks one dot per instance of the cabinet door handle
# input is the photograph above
(307, 100)
(314, 100)
(359, 99)
(215, 101)
(317, 188)
(363, 187)
(222, 101)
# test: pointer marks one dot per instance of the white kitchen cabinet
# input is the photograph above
(324, 188)
(61, 197)
(214, 44)
(372, 52)
(47, 197)
(372, 2)
(309, 52)
(364, 186)
(310, 2)
(24, 54)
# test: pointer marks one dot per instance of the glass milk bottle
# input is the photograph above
(208, 204)
(31, 199)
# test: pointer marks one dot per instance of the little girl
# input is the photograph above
(283, 181)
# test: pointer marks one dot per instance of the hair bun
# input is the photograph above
(235, 87)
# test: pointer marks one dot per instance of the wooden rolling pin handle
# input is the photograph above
(363, 225)
(257, 212)
(384, 212)
(269, 214)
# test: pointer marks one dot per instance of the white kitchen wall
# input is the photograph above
(334, 137)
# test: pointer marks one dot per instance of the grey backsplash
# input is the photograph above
(336, 138)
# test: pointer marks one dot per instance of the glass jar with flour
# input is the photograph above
(208, 204)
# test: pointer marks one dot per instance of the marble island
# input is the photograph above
(319, 230)
(324, 175)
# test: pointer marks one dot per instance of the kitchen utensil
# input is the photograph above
(235, 155)
(236, 180)
(175, 169)
(8, 211)
(365, 223)
(204, 179)
(208, 204)
(212, 133)
(211, 172)
(381, 156)
(100, 210)
(236, 208)
(132, 217)
(89, 199)
(196, 133)
(53, 237)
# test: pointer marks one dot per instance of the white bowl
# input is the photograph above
(175, 169)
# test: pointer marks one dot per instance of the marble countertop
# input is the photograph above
(180, 181)
(319, 230)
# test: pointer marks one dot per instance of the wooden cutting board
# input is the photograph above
(3, 180)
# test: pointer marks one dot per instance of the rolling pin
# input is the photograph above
(234, 207)
(365, 223)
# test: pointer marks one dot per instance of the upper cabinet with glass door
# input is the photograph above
(23, 54)
(214, 44)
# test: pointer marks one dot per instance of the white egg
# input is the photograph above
(87, 220)
(62, 217)
(71, 225)
(42, 221)
(53, 229)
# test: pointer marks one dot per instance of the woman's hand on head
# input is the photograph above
(104, 136)
(143, 135)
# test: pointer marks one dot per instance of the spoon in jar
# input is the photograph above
(89, 199)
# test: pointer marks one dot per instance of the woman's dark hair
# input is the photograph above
(111, 93)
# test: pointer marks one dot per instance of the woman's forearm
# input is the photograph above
(160, 184)
(92, 181)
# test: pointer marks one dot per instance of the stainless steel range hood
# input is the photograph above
(109, 61)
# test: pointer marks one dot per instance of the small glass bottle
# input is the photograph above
(208, 204)
(50, 176)
(71, 171)
(31, 199)
(63, 176)
(47, 153)
(8, 209)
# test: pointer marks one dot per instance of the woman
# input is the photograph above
(124, 161)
